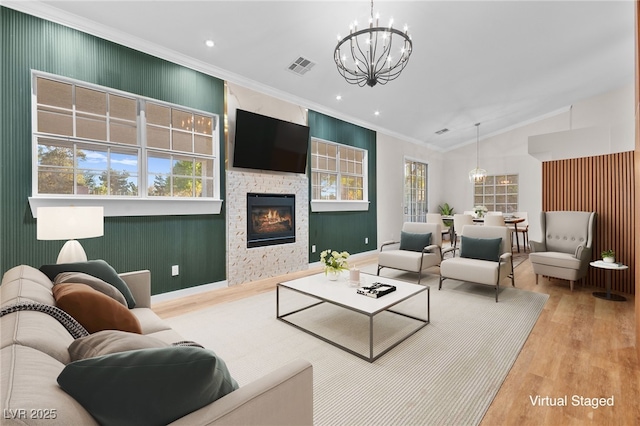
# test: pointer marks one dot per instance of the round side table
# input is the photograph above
(608, 267)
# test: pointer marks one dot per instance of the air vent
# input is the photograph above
(442, 131)
(300, 66)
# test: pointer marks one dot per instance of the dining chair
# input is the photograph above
(470, 213)
(437, 218)
(522, 227)
(494, 220)
(459, 221)
(493, 213)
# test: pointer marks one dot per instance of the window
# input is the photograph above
(338, 172)
(497, 193)
(94, 141)
(415, 191)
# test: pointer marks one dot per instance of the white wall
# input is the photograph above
(391, 153)
(508, 152)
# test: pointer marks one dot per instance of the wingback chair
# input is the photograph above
(413, 255)
(565, 249)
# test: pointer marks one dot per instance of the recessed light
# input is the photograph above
(339, 97)
(209, 43)
(376, 113)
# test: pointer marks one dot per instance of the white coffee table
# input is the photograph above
(340, 293)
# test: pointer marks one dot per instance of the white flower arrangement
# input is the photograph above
(334, 261)
(480, 210)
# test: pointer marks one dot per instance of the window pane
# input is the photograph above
(158, 137)
(54, 153)
(206, 188)
(93, 157)
(159, 164)
(123, 108)
(204, 168)
(55, 181)
(182, 120)
(92, 182)
(203, 145)
(123, 183)
(159, 185)
(203, 125)
(92, 101)
(158, 114)
(54, 93)
(123, 132)
(183, 166)
(182, 187)
(332, 150)
(322, 148)
(181, 141)
(55, 122)
(90, 127)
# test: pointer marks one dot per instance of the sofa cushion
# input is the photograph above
(148, 386)
(29, 383)
(414, 242)
(93, 282)
(98, 268)
(25, 284)
(471, 270)
(149, 321)
(111, 341)
(480, 248)
(36, 330)
(94, 310)
(552, 258)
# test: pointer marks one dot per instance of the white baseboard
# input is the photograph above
(176, 294)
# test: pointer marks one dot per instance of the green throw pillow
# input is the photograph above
(414, 242)
(147, 386)
(480, 248)
(98, 268)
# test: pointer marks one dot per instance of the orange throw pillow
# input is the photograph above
(94, 310)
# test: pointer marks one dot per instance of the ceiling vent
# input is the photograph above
(442, 131)
(300, 66)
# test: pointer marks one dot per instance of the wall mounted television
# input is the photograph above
(266, 143)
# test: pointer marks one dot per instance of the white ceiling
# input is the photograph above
(498, 63)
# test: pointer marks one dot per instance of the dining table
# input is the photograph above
(508, 220)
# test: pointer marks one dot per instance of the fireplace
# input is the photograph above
(270, 219)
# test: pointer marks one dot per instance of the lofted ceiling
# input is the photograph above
(500, 63)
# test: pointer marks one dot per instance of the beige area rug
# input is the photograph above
(446, 373)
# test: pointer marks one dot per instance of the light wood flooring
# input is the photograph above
(581, 345)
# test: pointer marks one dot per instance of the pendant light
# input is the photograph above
(477, 175)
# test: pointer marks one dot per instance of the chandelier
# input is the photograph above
(372, 55)
(477, 175)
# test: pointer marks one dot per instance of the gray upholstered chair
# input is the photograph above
(414, 254)
(481, 260)
(565, 249)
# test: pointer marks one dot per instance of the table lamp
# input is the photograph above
(70, 223)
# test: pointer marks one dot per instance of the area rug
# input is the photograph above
(446, 373)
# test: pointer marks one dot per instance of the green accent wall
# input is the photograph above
(344, 231)
(196, 243)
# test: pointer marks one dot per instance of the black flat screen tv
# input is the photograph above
(266, 143)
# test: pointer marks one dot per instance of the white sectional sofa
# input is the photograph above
(34, 351)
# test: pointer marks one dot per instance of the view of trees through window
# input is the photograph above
(497, 193)
(89, 143)
(338, 172)
(415, 191)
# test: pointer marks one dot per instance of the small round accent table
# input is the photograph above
(609, 267)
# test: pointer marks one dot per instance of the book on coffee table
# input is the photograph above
(376, 290)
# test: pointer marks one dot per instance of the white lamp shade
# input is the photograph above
(69, 222)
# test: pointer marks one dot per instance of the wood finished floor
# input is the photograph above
(580, 345)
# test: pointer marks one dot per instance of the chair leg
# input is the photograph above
(440, 284)
(571, 284)
(379, 267)
(536, 278)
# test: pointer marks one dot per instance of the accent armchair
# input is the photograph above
(485, 257)
(565, 249)
(418, 250)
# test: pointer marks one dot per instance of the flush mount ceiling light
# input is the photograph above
(209, 43)
(372, 55)
(477, 175)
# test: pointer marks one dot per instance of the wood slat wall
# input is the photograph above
(604, 184)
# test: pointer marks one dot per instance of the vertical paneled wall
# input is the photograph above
(344, 231)
(196, 243)
(604, 184)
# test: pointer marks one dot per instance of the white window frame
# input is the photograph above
(142, 204)
(492, 207)
(339, 204)
(406, 214)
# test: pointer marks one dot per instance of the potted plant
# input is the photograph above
(334, 262)
(446, 210)
(609, 256)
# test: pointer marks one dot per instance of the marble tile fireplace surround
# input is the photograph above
(248, 259)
